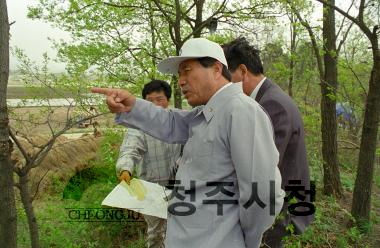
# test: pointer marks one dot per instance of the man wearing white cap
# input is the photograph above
(228, 186)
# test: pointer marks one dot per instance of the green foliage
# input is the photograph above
(103, 39)
(221, 38)
(52, 214)
(123, 41)
(97, 173)
(378, 152)
(329, 228)
(290, 228)
(311, 119)
(348, 182)
(85, 178)
(347, 162)
(331, 95)
(109, 146)
(377, 178)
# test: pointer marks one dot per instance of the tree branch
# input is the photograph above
(170, 21)
(344, 18)
(20, 147)
(358, 21)
(355, 75)
(42, 153)
(204, 23)
(344, 38)
(38, 185)
(361, 11)
(121, 6)
(312, 38)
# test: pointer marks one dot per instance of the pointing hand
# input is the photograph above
(118, 100)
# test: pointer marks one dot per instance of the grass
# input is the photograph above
(56, 230)
(22, 92)
(332, 226)
(86, 190)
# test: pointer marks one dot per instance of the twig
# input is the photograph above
(38, 185)
(20, 147)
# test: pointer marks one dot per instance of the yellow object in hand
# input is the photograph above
(135, 188)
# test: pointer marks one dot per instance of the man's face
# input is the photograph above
(158, 98)
(196, 82)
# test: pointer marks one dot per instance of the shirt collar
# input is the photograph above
(217, 100)
(256, 90)
(225, 86)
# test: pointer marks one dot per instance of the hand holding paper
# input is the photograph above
(140, 196)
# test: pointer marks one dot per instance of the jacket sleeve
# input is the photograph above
(255, 158)
(170, 126)
(132, 151)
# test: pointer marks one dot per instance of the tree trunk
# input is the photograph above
(8, 217)
(177, 93)
(361, 202)
(198, 18)
(176, 88)
(178, 44)
(293, 31)
(153, 36)
(28, 207)
(331, 179)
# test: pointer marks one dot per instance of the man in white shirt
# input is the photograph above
(228, 183)
(151, 159)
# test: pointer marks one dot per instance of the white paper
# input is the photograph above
(140, 196)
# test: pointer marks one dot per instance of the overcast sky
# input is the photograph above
(31, 35)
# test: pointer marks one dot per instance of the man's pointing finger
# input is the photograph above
(104, 91)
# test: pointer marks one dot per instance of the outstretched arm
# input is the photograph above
(170, 126)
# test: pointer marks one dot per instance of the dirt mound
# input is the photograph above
(64, 160)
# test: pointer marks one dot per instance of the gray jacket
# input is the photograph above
(290, 142)
(229, 160)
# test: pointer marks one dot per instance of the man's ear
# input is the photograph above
(218, 68)
(243, 69)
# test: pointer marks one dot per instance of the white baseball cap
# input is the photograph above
(192, 49)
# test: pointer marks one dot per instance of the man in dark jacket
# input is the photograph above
(246, 67)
